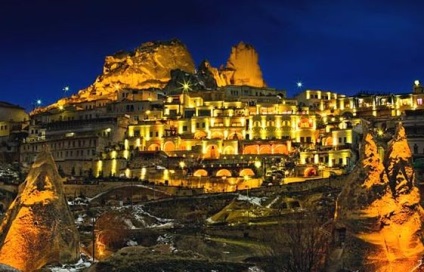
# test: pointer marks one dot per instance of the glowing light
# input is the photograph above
(417, 83)
(143, 173)
(182, 164)
(39, 102)
(299, 84)
(99, 167)
(60, 107)
(127, 173)
(113, 168)
(258, 164)
(166, 175)
(126, 154)
(65, 89)
(185, 85)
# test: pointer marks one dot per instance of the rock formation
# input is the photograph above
(148, 66)
(39, 228)
(159, 64)
(242, 68)
(378, 216)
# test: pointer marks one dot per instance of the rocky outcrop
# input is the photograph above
(162, 64)
(242, 68)
(148, 66)
(38, 228)
(244, 61)
(378, 216)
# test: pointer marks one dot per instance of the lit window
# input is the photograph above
(419, 101)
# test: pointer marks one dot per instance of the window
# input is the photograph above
(419, 101)
(184, 128)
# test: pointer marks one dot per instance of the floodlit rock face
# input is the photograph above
(242, 68)
(161, 65)
(379, 213)
(38, 228)
(149, 66)
(244, 62)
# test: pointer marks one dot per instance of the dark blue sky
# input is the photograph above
(343, 46)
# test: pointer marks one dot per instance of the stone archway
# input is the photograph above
(199, 134)
(169, 146)
(200, 173)
(309, 172)
(251, 149)
(212, 152)
(229, 150)
(265, 149)
(217, 135)
(246, 172)
(223, 173)
(153, 147)
(328, 141)
(280, 149)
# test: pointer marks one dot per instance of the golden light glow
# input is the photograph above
(182, 164)
(246, 172)
(113, 168)
(258, 164)
(200, 173)
(185, 85)
(99, 167)
(417, 83)
(166, 175)
(143, 173)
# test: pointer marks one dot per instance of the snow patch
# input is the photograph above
(253, 200)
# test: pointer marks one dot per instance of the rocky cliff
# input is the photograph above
(242, 68)
(161, 64)
(149, 66)
(38, 228)
(378, 216)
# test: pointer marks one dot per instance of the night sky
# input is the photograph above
(342, 46)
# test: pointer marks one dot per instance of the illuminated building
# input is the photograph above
(13, 122)
(218, 126)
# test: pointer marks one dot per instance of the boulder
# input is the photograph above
(38, 228)
(378, 220)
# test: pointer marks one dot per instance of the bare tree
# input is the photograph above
(298, 244)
